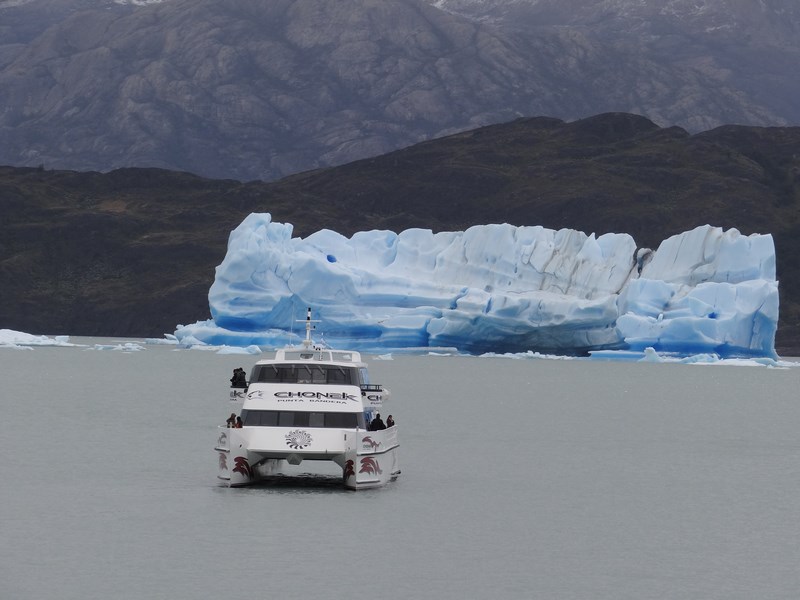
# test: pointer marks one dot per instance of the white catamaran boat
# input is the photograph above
(308, 411)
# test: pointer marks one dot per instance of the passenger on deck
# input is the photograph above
(239, 379)
(389, 422)
(231, 421)
(377, 423)
(239, 422)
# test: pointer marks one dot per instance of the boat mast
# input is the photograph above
(307, 342)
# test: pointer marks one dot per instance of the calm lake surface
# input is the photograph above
(549, 479)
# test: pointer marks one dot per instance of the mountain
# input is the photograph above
(769, 20)
(132, 252)
(260, 89)
(742, 47)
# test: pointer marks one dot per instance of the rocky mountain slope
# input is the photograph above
(133, 252)
(259, 89)
(747, 48)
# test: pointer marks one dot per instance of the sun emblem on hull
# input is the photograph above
(298, 439)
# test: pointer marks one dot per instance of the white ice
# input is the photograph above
(10, 338)
(495, 289)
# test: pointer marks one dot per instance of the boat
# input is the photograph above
(308, 411)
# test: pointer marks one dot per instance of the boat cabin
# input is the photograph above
(293, 379)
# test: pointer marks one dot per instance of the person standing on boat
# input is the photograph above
(389, 422)
(231, 421)
(239, 423)
(239, 378)
(377, 423)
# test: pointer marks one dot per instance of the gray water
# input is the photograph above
(521, 479)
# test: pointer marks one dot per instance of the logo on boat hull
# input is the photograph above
(349, 469)
(331, 397)
(369, 444)
(375, 399)
(298, 439)
(370, 465)
(242, 466)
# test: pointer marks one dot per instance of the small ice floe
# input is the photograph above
(18, 339)
(168, 340)
(530, 354)
(124, 347)
(252, 349)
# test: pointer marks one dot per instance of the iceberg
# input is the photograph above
(495, 289)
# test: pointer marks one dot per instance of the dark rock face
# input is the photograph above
(132, 252)
(259, 89)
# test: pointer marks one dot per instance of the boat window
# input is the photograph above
(274, 374)
(311, 374)
(342, 419)
(267, 418)
(304, 373)
(340, 375)
(283, 418)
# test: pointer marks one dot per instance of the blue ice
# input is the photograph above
(495, 288)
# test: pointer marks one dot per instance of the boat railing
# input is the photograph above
(371, 387)
(318, 354)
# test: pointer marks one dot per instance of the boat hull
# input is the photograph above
(363, 459)
(371, 458)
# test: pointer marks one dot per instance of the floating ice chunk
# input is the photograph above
(239, 350)
(10, 338)
(495, 289)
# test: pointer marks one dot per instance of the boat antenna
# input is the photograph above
(307, 342)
